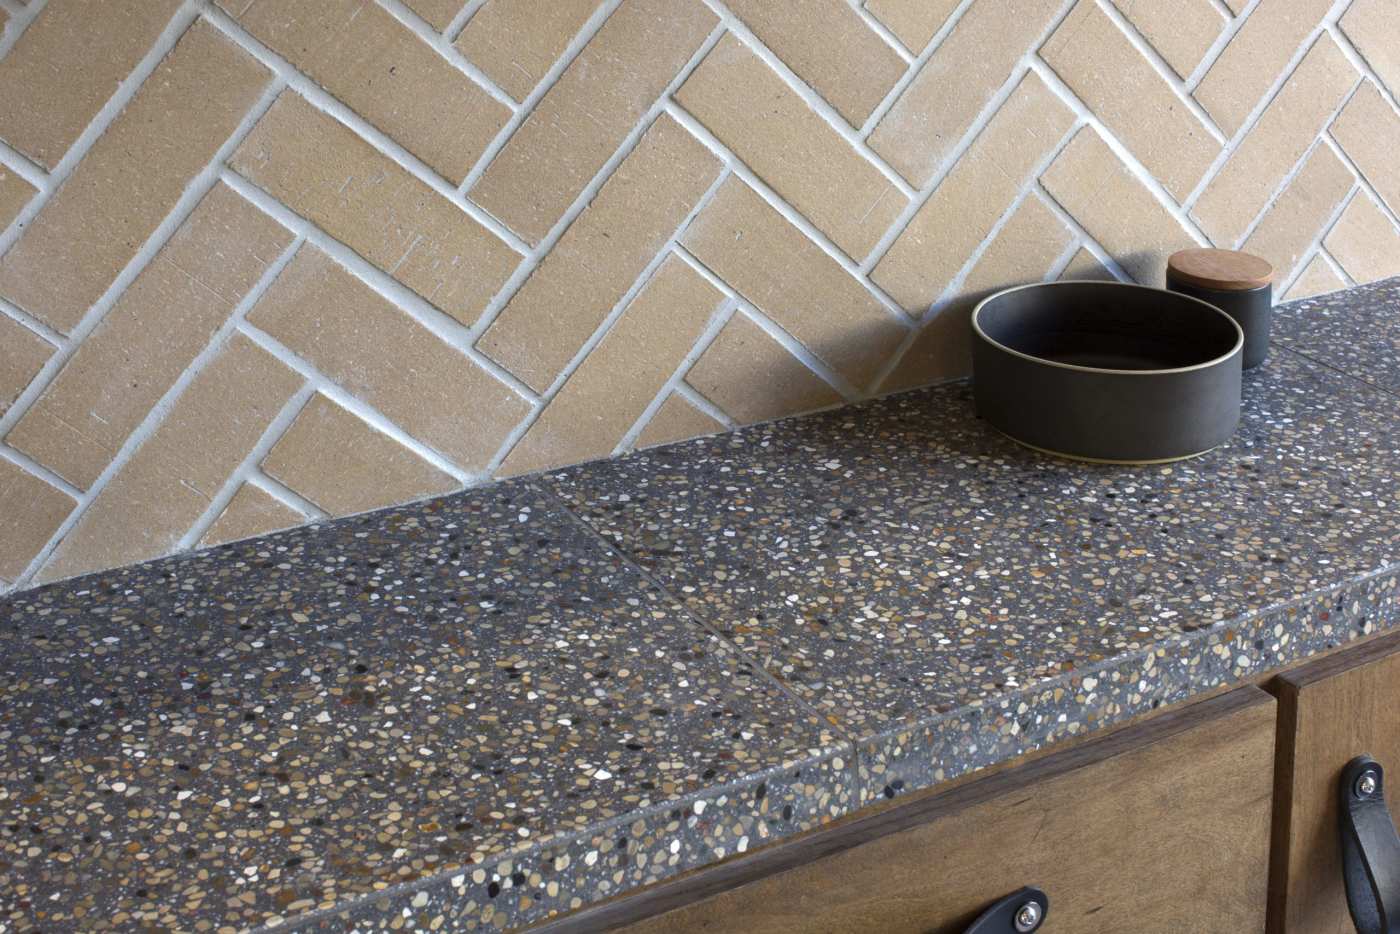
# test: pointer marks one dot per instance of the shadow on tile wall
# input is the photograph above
(263, 263)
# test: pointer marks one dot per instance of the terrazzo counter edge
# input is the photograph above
(826, 768)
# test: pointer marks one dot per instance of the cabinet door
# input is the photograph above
(1329, 712)
(1160, 827)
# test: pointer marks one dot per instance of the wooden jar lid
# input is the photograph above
(1223, 270)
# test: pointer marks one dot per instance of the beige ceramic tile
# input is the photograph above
(320, 169)
(828, 46)
(516, 41)
(437, 13)
(1023, 251)
(150, 336)
(752, 378)
(343, 465)
(15, 193)
(914, 22)
(1288, 126)
(168, 483)
(131, 177)
(957, 83)
(378, 353)
(1181, 31)
(676, 420)
(1364, 242)
(1116, 209)
(1373, 26)
(1368, 129)
(773, 131)
(611, 389)
(1085, 265)
(761, 256)
(380, 69)
(584, 117)
(1317, 278)
(22, 354)
(939, 352)
(1255, 58)
(601, 255)
(67, 64)
(252, 512)
(30, 512)
(1099, 63)
(1301, 213)
(946, 231)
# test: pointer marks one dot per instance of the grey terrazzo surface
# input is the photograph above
(477, 712)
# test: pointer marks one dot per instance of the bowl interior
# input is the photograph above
(1108, 326)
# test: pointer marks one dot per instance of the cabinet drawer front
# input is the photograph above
(1162, 826)
(1329, 712)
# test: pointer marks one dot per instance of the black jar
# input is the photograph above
(1237, 283)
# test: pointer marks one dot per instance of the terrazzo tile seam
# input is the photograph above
(1283, 344)
(444, 878)
(1133, 661)
(691, 613)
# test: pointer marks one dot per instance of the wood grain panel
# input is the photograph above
(1158, 827)
(1329, 712)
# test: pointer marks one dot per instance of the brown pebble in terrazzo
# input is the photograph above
(477, 712)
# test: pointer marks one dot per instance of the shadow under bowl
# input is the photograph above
(1106, 371)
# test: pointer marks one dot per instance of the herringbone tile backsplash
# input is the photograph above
(264, 261)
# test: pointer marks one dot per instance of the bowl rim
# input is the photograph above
(1238, 348)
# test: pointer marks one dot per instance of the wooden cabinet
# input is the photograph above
(1330, 711)
(1162, 826)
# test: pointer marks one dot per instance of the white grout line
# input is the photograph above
(405, 299)
(323, 101)
(1152, 57)
(589, 192)
(1358, 61)
(774, 330)
(125, 90)
(881, 30)
(1225, 155)
(368, 413)
(194, 192)
(789, 213)
(1125, 156)
(1336, 267)
(463, 337)
(270, 436)
(916, 66)
(25, 462)
(542, 87)
(618, 309)
(20, 164)
(285, 495)
(454, 28)
(1326, 228)
(718, 319)
(814, 101)
(1233, 24)
(1086, 239)
(424, 31)
(21, 15)
(690, 394)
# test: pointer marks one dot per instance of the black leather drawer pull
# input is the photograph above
(1370, 849)
(1020, 912)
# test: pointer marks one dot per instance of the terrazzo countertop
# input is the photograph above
(480, 711)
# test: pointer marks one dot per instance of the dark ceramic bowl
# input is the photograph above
(1105, 371)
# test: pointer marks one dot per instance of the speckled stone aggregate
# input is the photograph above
(477, 712)
(1356, 331)
(951, 599)
(471, 705)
